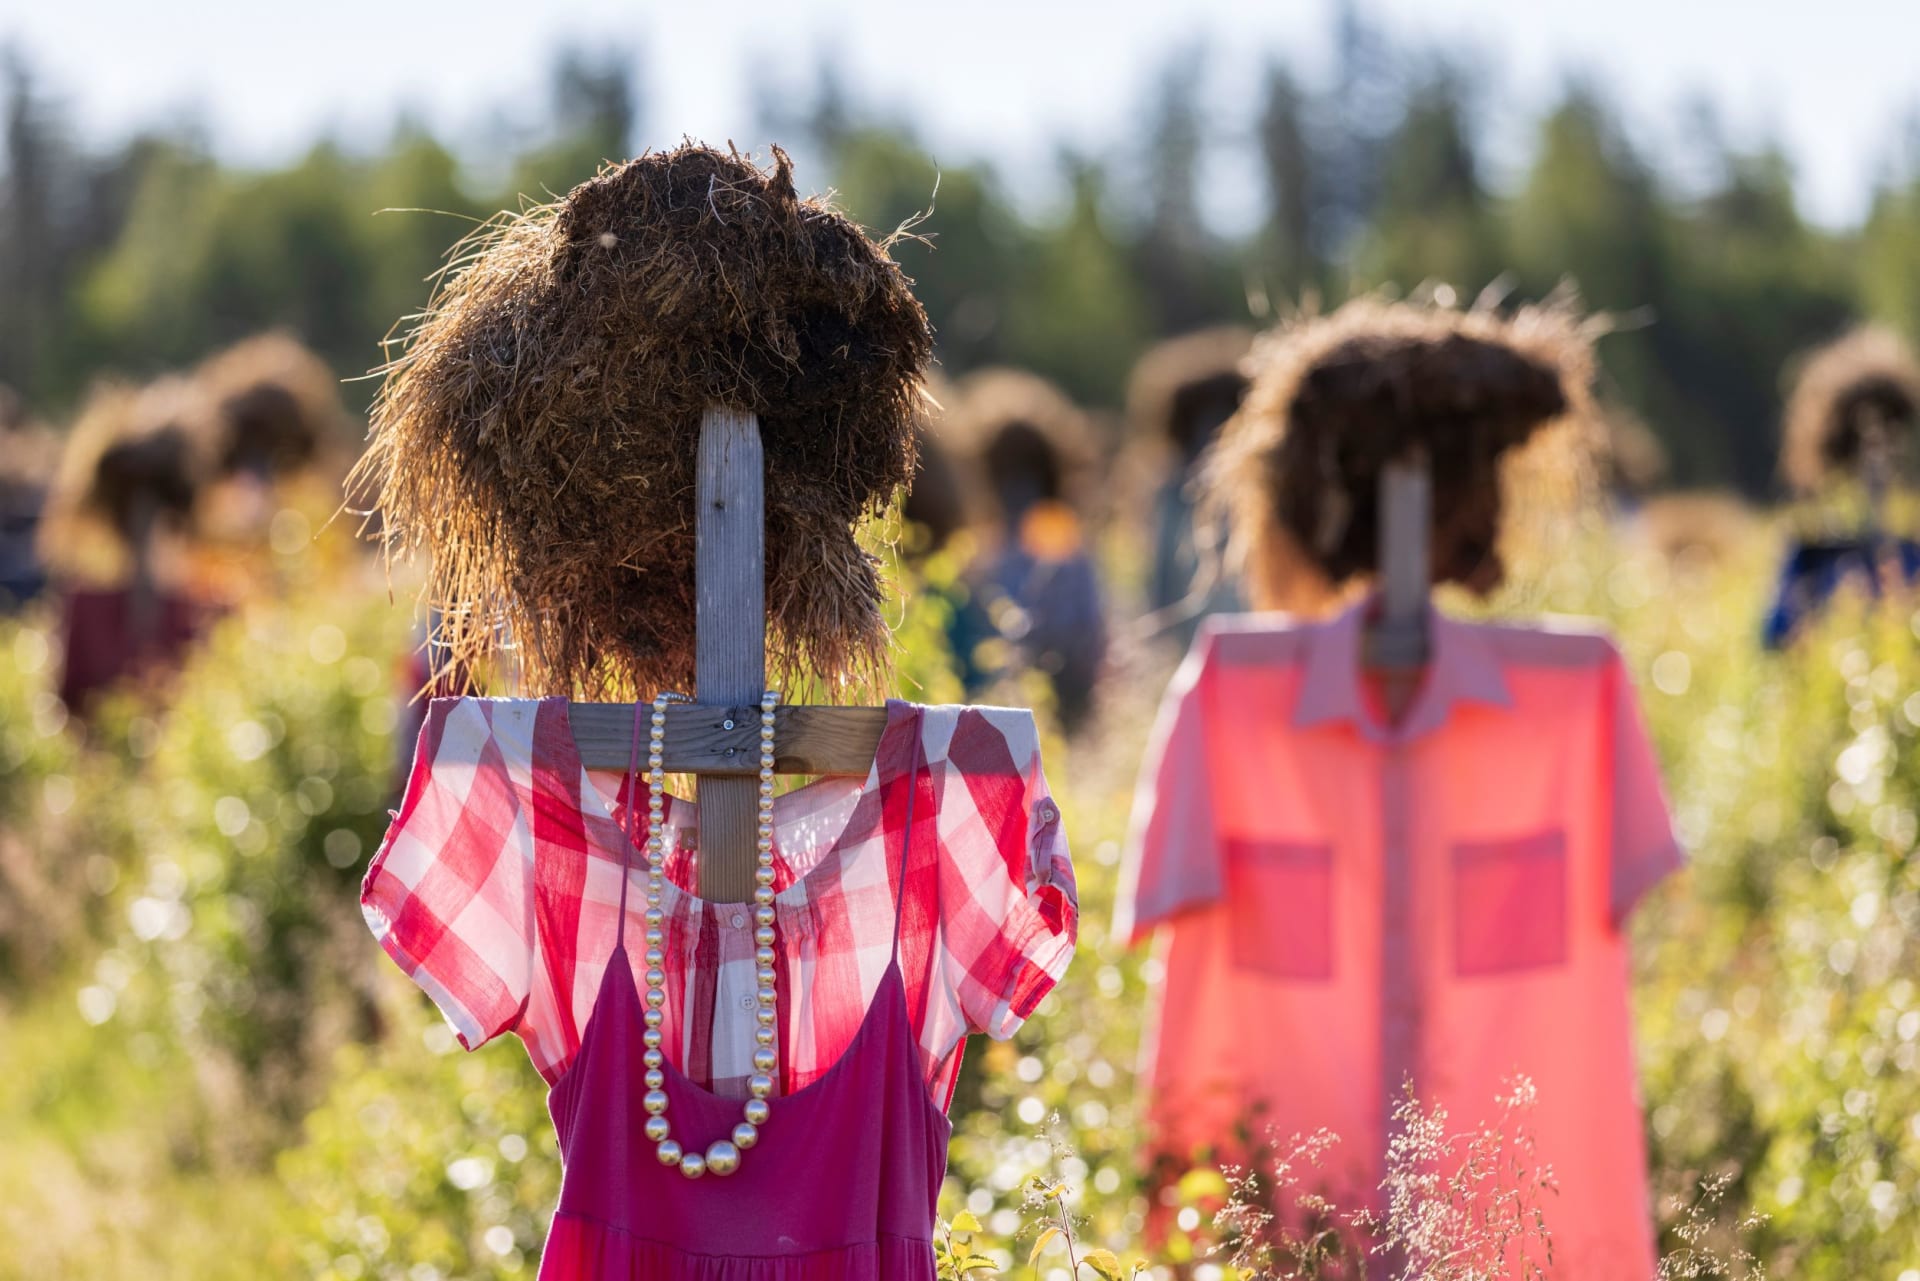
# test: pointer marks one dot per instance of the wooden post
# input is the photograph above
(1406, 571)
(730, 655)
(1396, 642)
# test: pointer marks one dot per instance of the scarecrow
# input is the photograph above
(539, 434)
(1848, 451)
(118, 515)
(1179, 396)
(1029, 449)
(568, 433)
(280, 441)
(1433, 892)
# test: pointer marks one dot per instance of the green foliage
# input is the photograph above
(268, 781)
(219, 1039)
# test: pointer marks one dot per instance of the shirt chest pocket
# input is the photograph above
(1510, 903)
(1280, 913)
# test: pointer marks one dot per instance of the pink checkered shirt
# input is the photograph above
(497, 891)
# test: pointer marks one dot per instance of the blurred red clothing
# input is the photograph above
(1349, 905)
(108, 639)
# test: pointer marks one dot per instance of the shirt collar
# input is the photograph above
(1461, 668)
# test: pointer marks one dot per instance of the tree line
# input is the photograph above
(151, 252)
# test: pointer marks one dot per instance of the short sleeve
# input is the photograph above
(1009, 908)
(449, 893)
(1644, 849)
(1172, 858)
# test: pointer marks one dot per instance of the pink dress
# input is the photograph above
(840, 1187)
(1346, 905)
(932, 899)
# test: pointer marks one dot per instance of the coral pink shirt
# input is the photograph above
(1350, 905)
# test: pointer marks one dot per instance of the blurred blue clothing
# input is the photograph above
(1814, 571)
(22, 576)
(1061, 629)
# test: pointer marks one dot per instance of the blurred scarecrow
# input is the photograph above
(1848, 451)
(118, 518)
(280, 441)
(1029, 449)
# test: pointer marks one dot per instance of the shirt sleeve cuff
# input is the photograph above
(1636, 877)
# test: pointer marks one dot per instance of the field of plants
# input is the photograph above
(208, 1070)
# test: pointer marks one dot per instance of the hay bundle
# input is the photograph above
(1023, 439)
(1335, 398)
(1864, 386)
(278, 403)
(538, 435)
(134, 465)
(1183, 389)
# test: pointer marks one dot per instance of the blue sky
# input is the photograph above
(1833, 81)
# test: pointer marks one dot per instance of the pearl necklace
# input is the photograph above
(723, 1156)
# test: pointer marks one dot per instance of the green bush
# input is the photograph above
(209, 1059)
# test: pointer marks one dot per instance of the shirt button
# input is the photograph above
(1047, 812)
(739, 920)
(746, 1002)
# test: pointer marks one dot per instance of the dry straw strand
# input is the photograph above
(537, 434)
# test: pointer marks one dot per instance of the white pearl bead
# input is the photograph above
(756, 1111)
(693, 1165)
(654, 1101)
(759, 1085)
(722, 1157)
(745, 1135)
(657, 1129)
(668, 1151)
